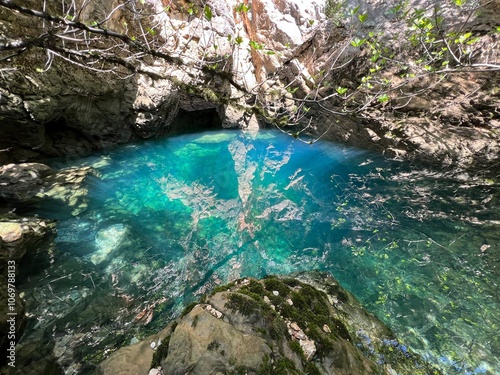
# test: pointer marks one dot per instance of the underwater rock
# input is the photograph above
(67, 187)
(108, 240)
(330, 334)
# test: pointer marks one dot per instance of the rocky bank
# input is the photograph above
(303, 325)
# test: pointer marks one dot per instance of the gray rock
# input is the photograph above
(20, 182)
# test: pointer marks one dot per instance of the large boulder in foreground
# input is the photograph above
(303, 325)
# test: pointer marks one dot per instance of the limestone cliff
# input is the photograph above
(284, 60)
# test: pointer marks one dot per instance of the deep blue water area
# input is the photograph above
(170, 219)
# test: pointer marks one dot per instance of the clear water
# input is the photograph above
(170, 219)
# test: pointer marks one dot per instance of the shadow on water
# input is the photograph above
(168, 220)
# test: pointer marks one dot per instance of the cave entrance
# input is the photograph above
(196, 120)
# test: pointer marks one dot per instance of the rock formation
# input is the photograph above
(308, 324)
(270, 54)
(26, 244)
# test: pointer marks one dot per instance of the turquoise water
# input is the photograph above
(168, 220)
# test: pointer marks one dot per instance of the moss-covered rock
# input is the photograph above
(303, 325)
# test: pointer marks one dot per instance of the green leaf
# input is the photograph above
(356, 42)
(208, 12)
(363, 17)
(238, 40)
(462, 38)
(341, 90)
(255, 45)
(242, 8)
(355, 10)
(383, 98)
(192, 10)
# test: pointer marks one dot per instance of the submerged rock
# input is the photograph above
(108, 240)
(324, 331)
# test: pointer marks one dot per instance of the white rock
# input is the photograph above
(308, 347)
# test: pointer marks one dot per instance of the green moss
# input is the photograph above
(284, 366)
(324, 345)
(274, 284)
(245, 305)
(160, 353)
(222, 288)
(255, 287)
(279, 366)
(335, 290)
(266, 366)
(296, 348)
(254, 296)
(340, 329)
(311, 369)
(291, 282)
(278, 329)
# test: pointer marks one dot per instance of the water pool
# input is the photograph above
(167, 220)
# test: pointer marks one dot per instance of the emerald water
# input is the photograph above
(167, 220)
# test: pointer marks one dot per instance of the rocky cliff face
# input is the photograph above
(449, 118)
(304, 325)
(267, 53)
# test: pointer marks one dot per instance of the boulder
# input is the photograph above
(20, 182)
(26, 245)
(28, 182)
(247, 327)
